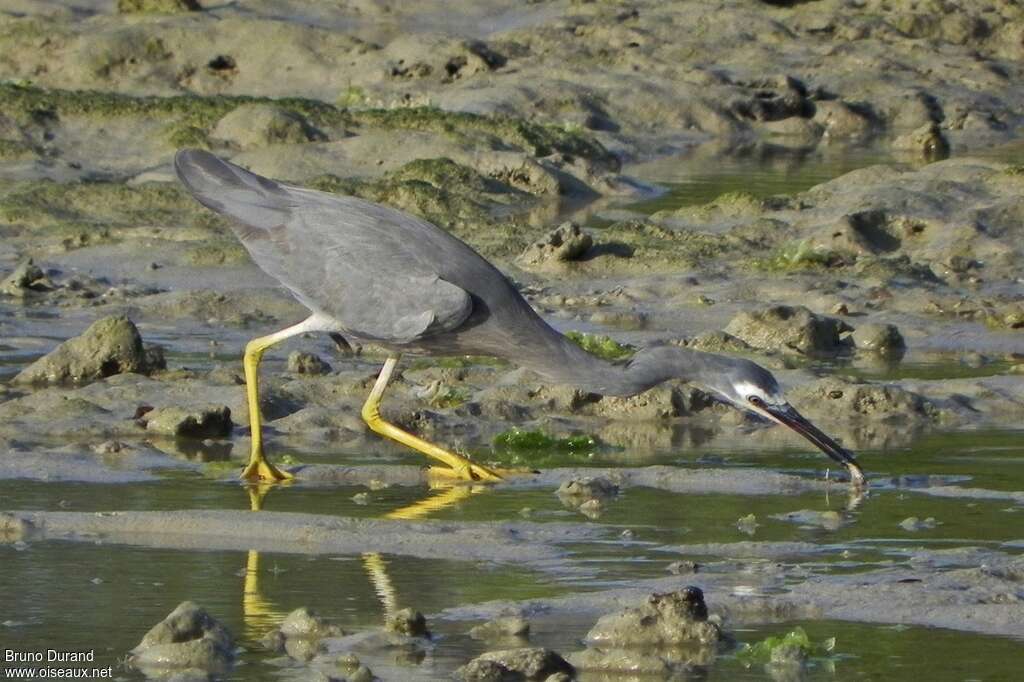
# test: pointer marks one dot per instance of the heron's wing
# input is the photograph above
(370, 267)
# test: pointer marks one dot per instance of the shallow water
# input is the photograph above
(91, 595)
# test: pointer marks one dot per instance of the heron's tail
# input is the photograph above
(232, 191)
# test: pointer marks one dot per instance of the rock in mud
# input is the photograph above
(501, 628)
(300, 635)
(157, 6)
(259, 125)
(565, 243)
(884, 339)
(914, 524)
(793, 329)
(588, 488)
(829, 520)
(927, 141)
(188, 639)
(209, 422)
(25, 278)
(307, 363)
(531, 663)
(109, 346)
(355, 670)
(665, 619)
(13, 529)
(832, 395)
(407, 622)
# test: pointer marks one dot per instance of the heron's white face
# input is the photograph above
(757, 399)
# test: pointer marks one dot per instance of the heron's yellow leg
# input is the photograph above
(259, 469)
(459, 468)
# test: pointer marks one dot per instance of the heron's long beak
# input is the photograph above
(788, 416)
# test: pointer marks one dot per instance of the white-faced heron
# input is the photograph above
(375, 274)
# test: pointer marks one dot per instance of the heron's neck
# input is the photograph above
(570, 364)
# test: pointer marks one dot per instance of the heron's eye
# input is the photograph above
(755, 401)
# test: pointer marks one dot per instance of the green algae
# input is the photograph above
(799, 255)
(24, 101)
(539, 140)
(796, 641)
(46, 204)
(600, 345)
(516, 439)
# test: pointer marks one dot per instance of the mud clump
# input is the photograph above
(530, 663)
(157, 6)
(259, 125)
(209, 422)
(307, 363)
(832, 395)
(793, 329)
(407, 622)
(883, 339)
(188, 640)
(563, 244)
(109, 346)
(300, 635)
(506, 627)
(25, 278)
(588, 488)
(665, 619)
(927, 141)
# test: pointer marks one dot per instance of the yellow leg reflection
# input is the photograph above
(374, 563)
(260, 615)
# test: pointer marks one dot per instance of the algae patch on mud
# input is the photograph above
(601, 346)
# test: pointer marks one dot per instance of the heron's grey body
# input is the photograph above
(377, 274)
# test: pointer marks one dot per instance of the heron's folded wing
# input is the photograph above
(372, 268)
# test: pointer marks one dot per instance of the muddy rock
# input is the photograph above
(665, 619)
(300, 635)
(188, 639)
(884, 339)
(501, 628)
(208, 422)
(259, 125)
(928, 142)
(407, 622)
(515, 664)
(829, 520)
(157, 6)
(792, 329)
(13, 529)
(913, 524)
(588, 488)
(25, 278)
(307, 363)
(565, 243)
(109, 346)
(836, 396)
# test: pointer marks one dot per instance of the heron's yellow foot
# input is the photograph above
(259, 470)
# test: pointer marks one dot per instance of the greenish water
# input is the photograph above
(92, 595)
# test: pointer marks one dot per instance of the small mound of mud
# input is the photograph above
(209, 422)
(188, 639)
(259, 125)
(515, 664)
(563, 244)
(109, 346)
(791, 329)
(665, 619)
(300, 635)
